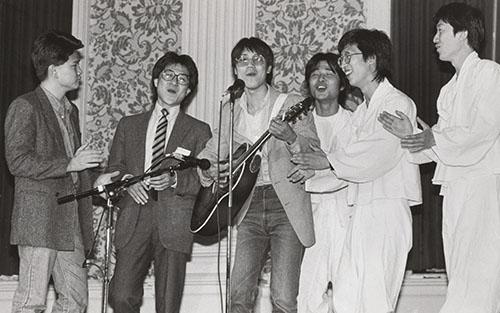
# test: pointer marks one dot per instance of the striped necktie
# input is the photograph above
(159, 142)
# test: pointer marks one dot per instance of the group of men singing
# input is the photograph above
(331, 205)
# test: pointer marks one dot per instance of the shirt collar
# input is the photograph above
(62, 105)
(468, 63)
(172, 111)
(266, 101)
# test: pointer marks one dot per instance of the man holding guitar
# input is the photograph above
(277, 217)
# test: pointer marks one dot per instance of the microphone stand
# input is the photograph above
(229, 207)
(112, 190)
(108, 210)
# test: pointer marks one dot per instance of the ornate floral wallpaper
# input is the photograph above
(125, 40)
(297, 29)
(127, 36)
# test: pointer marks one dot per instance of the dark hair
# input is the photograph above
(463, 17)
(174, 58)
(52, 48)
(371, 42)
(332, 60)
(258, 46)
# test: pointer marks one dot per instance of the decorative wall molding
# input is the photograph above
(210, 29)
(80, 29)
(378, 15)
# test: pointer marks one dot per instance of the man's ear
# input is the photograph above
(51, 71)
(155, 82)
(372, 59)
(269, 69)
(462, 35)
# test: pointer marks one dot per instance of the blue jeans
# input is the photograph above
(37, 265)
(266, 228)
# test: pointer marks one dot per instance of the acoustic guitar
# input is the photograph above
(211, 207)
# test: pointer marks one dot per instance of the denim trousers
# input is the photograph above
(266, 228)
(37, 265)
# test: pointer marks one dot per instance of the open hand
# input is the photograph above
(282, 130)
(400, 125)
(85, 158)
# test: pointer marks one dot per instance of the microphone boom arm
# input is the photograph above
(117, 186)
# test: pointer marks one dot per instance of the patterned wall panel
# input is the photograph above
(125, 39)
(297, 29)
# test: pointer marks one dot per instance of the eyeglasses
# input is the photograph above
(346, 58)
(256, 59)
(327, 75)
(169, 75)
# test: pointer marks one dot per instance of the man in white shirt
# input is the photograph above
(382, 183)
(465, 144)
(326, 83)
(279, 219)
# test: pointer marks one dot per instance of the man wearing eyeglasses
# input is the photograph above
(382, 183)
(279, 218)
(154, 219)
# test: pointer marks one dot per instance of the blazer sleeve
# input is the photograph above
(304, 127)
(117, 155)
(21, 152)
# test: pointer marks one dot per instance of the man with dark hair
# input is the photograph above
(153, 224)
(278, 219)
(382, 183)
(327, 84)
(465, 144)
(43, 152)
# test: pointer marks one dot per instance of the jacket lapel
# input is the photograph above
(138, 138)
(179, 131)
(48, 113)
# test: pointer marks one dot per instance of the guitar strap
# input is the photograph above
(277, 105)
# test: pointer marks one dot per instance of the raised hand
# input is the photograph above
(282, 130)
(85, 158)
(421, 141)
(315, 160)
(400, 125)
(213, 171)
(105, 178)
(139, 192)
(162, 182)
(298, 175)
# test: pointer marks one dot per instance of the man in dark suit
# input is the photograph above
(43, 152)
(153, 223)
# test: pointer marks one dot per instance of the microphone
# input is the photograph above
(188, 161)
(235, 90)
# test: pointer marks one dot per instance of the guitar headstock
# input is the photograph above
(295, 111)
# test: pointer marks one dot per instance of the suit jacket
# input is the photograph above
(35, 154)
(295, 201)
(175, 205)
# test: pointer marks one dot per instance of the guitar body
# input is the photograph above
(211, 207)
(212, 203)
